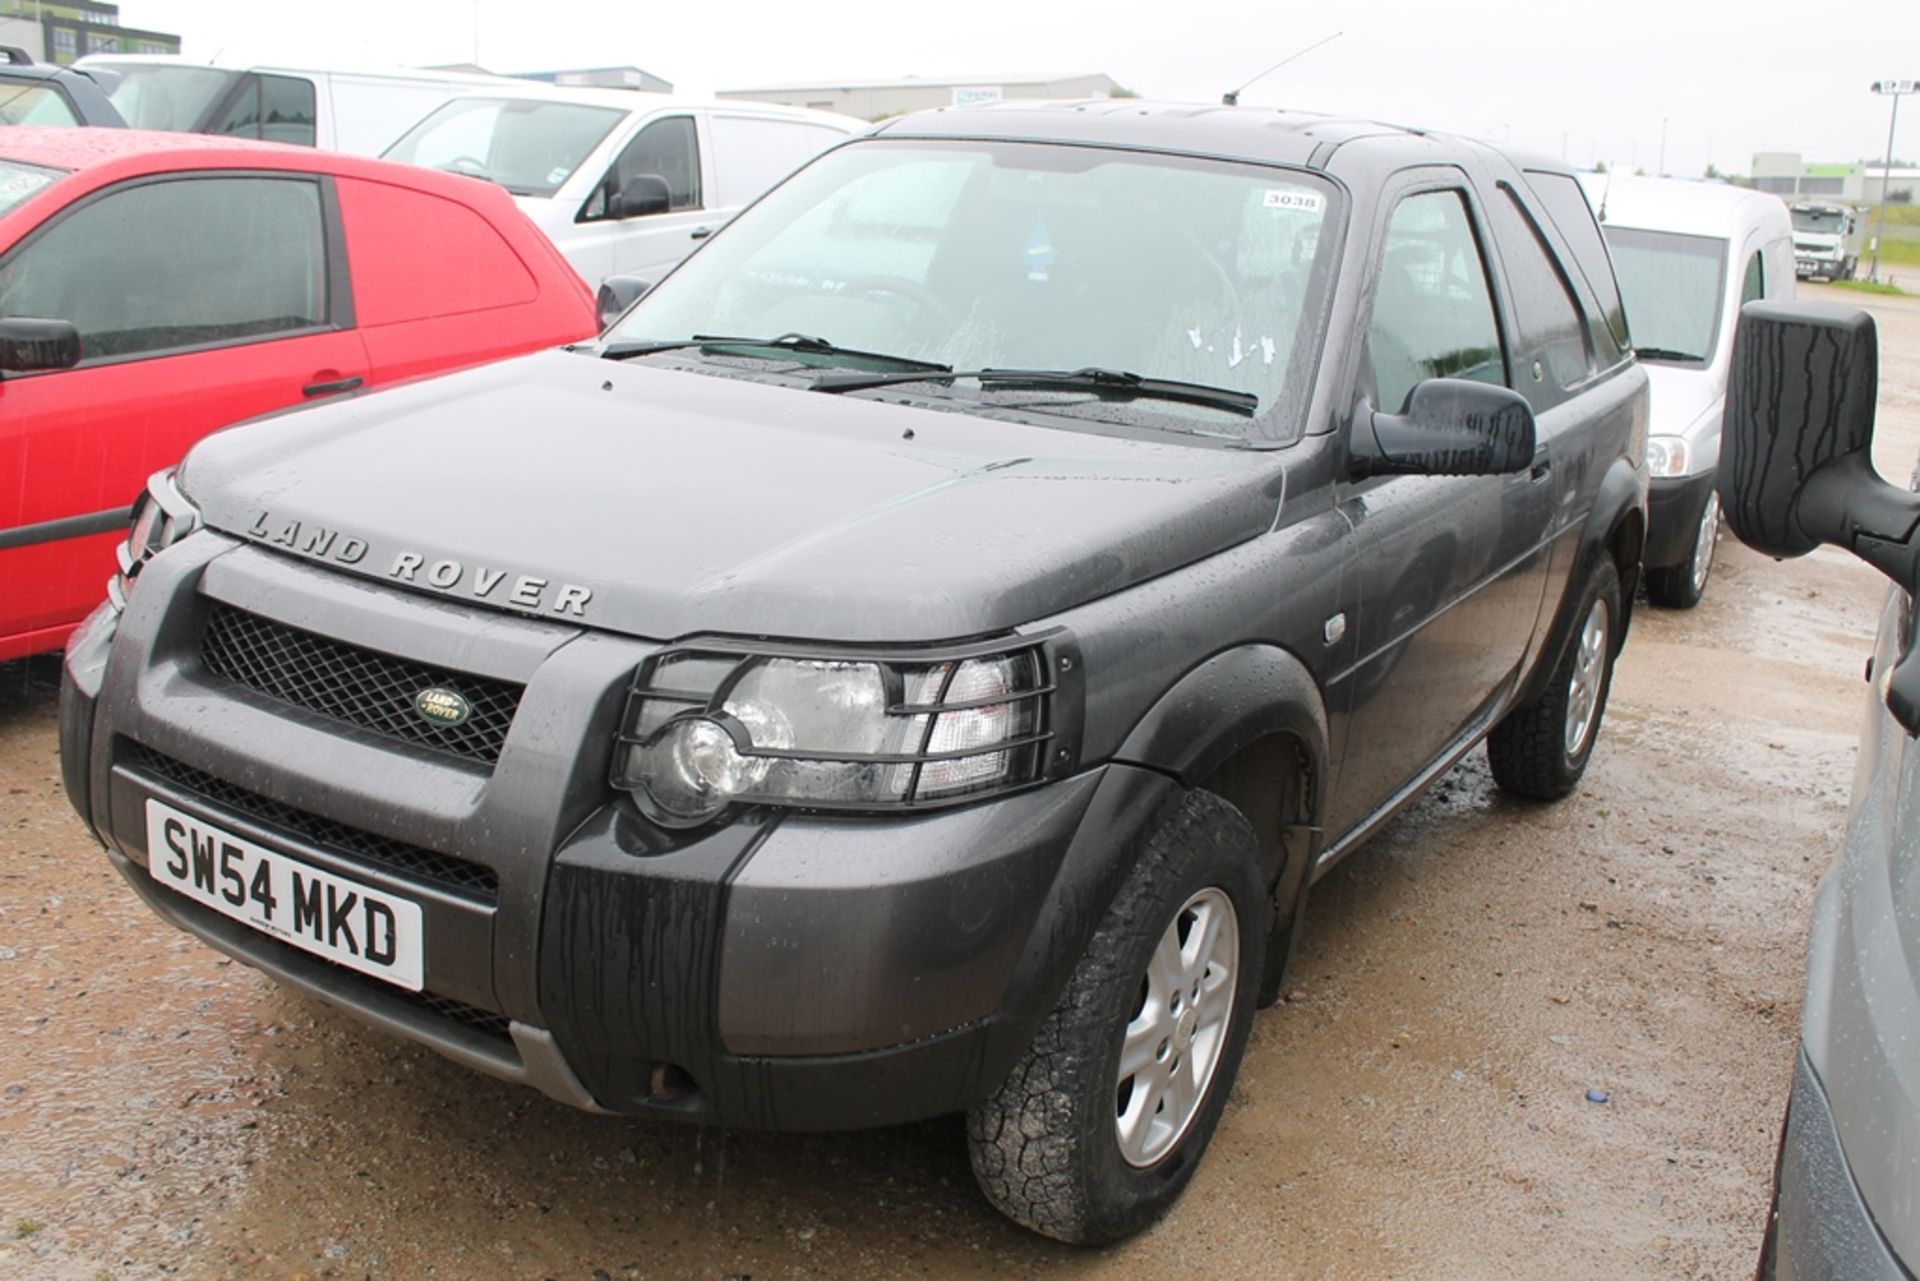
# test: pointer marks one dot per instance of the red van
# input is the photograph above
(155, 287)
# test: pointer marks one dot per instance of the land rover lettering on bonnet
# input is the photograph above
(523, 591)
(920, 659)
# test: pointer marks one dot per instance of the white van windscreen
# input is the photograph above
(529, 146)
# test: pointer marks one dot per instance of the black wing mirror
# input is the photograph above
(1796, 467)
(644, 193)
(29, 345)
(1450, 427)
(616, 294)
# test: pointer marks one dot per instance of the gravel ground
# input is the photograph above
(1418, 1108)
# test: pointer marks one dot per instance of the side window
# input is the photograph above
(1432, 311)
(1552, 337)
(1755, 284)
(241, 119)
(33, 102)
(193, 262)
(750, 155)
(669, 148)
(1567, 205)
(286, 110)
(276, 108)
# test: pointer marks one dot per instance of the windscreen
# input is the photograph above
(1674, 287)
(530, 147)
(1822, 220)
(992, 255)
(18, 182)
(174, 98)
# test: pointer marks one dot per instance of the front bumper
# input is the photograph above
(785, 971)
(1674, 507)
(1821, 1228)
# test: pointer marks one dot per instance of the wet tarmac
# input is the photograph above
(1418, 1108)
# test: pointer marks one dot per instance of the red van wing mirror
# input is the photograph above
(29, 346)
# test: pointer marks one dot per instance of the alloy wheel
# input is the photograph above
(1589, 672)
(1173, 1042)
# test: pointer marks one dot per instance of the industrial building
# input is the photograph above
(63, 30)
(601, 78)
(1784, 174)
(878, 99)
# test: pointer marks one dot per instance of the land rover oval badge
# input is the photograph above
(442, 706)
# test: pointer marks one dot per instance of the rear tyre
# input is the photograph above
(1540, 750)
(1104, 1119)
(1681, 586)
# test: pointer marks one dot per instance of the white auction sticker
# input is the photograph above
(1305, 201)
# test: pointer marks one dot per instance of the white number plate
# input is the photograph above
(330, 916)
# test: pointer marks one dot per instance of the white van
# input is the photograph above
(1687, 255)
(360, 112)
(625, 183)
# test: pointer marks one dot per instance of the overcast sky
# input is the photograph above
(1595, 81)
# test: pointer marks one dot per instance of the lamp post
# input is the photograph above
(1893, 89)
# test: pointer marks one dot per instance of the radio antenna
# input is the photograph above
(1232, 97)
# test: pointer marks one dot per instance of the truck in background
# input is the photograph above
(1826, 240)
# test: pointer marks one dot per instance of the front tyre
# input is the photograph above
(1540, 750)
(1104, 1118)
(1681, 586)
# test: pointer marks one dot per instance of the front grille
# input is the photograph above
(359, 686)
(349, 842)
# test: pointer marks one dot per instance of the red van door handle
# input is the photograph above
(331, 388)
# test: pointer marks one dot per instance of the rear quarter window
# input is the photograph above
(416, 256)
(1552, 337)
(1566, 204)
(34, 102)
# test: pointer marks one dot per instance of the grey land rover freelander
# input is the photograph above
(920, 658)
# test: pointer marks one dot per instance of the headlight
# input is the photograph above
(1669, 456)
(162, 516)
(710, 727)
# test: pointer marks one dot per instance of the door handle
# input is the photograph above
(701, 233)
(333, 388)
(1542, 468)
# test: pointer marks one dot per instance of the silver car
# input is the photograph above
(1796, 473)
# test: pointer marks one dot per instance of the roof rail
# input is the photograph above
(15, 55)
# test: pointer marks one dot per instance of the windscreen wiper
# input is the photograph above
(1117, 383)
(1666, 353)
(803, 344)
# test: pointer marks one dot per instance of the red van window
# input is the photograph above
(415, 256)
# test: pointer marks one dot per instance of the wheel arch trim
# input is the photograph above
(1222, 712)
(1616, 527)
(1223, 704)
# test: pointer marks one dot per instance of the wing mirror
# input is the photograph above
(1449, 427)
(644, 193)
(616, 294)
(1796, 467)
(29, 345)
